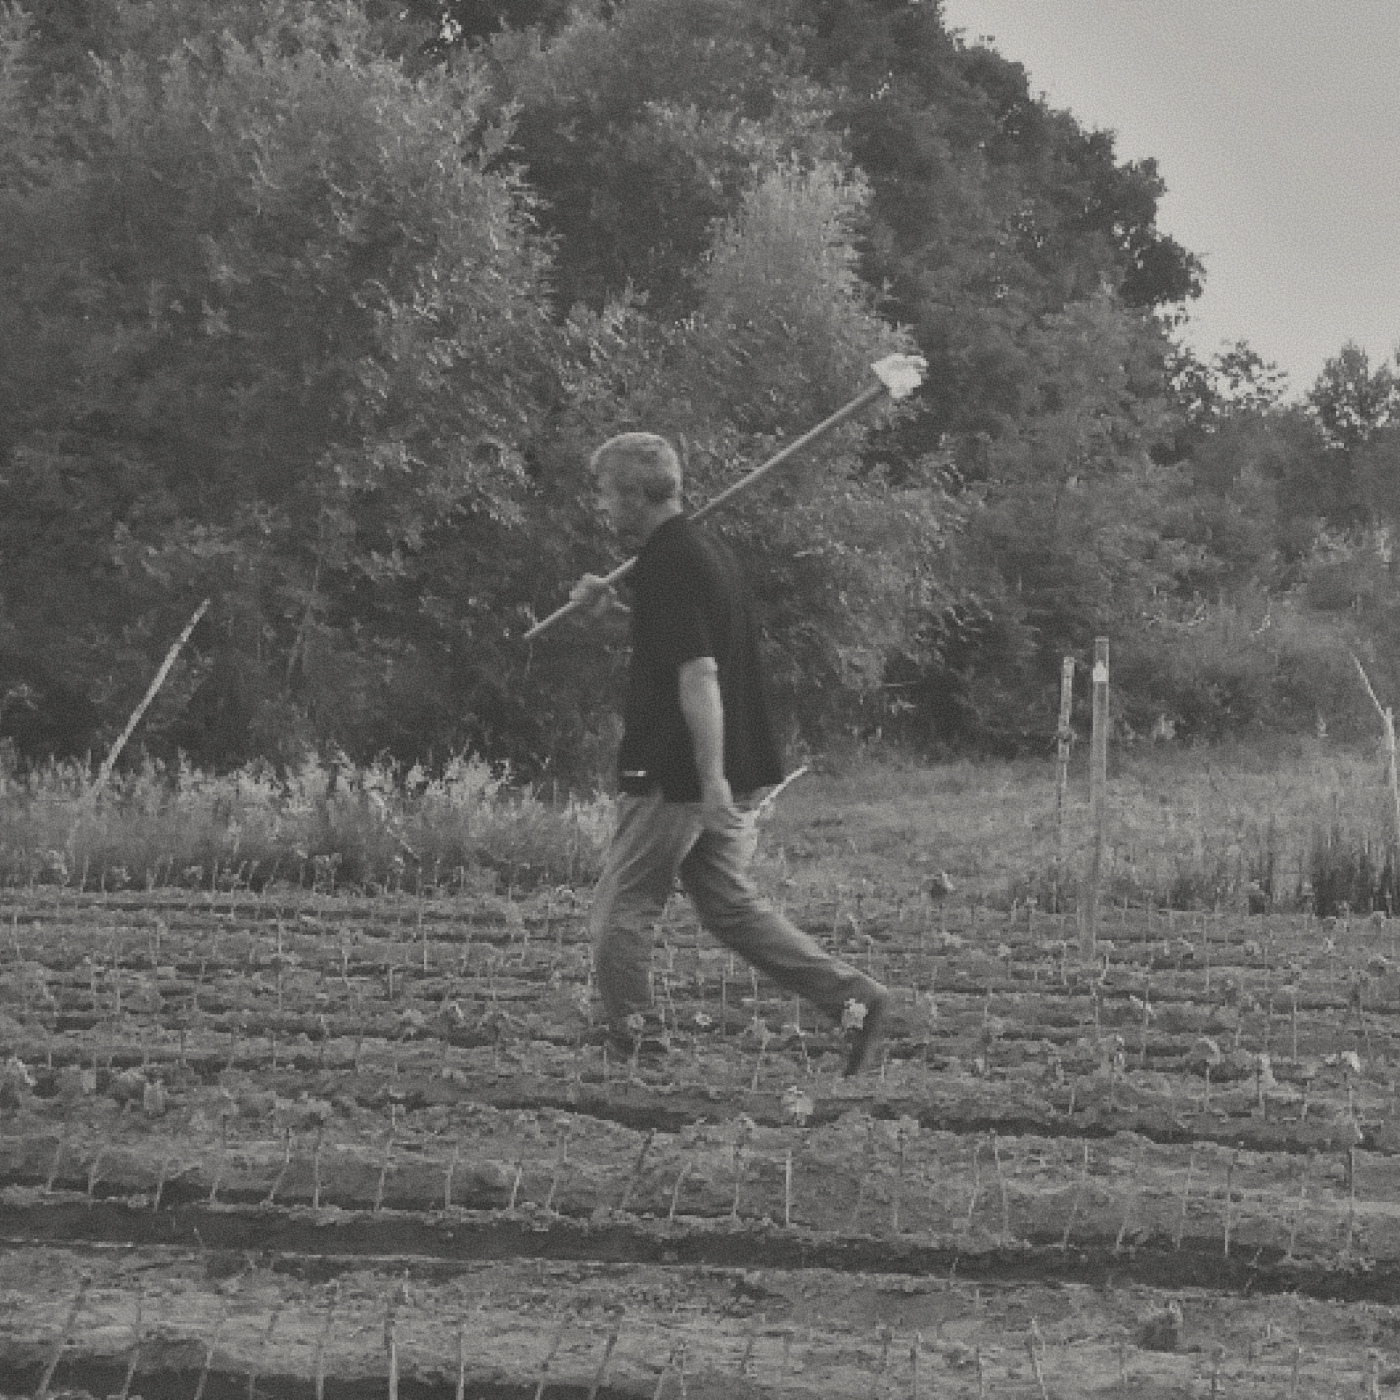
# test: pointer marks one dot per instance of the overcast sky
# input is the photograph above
(1276, 126)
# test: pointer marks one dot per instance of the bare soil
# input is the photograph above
(298, 1144)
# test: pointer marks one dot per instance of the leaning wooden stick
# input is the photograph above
(1388, 724)
(114, 753)
(897, 375)
(136, 1344)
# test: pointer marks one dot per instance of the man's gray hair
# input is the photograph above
(644, 463)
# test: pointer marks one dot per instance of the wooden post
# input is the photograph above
(602, 1371)
(1389, 720)
(1063, 739)
(1387, 715)
(1098, 784)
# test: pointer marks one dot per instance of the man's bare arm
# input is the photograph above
(703, 710)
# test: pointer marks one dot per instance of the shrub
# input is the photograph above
(1239, 669)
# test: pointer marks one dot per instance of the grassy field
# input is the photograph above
(1184, 827)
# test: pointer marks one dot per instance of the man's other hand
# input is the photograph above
(717, 809)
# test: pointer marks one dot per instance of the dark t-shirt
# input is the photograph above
(689, 601)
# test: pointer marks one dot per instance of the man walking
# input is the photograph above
(697, 751)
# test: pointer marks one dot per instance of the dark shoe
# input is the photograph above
(868, 1036)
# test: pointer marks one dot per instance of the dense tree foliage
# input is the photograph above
(286, 330)
(317, 309)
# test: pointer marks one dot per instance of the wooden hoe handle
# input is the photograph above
(894, 379)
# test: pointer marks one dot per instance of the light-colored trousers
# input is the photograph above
(655, 841)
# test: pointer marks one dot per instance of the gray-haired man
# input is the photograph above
(697, 751)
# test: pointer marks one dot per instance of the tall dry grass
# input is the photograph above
(325, 825)
(1264, 825)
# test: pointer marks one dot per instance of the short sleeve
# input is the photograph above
(682, 632)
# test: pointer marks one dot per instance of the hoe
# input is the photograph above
(896, 375)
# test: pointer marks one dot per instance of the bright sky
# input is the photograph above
(1276, 126)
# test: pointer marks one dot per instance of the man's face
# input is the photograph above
(623, 509)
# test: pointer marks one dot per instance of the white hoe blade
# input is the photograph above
(901, 374)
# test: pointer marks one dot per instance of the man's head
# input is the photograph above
(639, 482)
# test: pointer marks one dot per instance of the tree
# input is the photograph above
(1233, 383)
(457, 24)
(784, 331)
(1350, 400)
(990, 211)
(1003, 234)
(283, 328)
(640, 129)
(1377, 464)
(324, 307)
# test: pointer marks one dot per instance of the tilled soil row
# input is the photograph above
(319, 1245)
(187, 930)
(83, 967)
(307, 981)
(845, 1173)
(171, 1322)
(1316, 1111)
(460, 1013)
